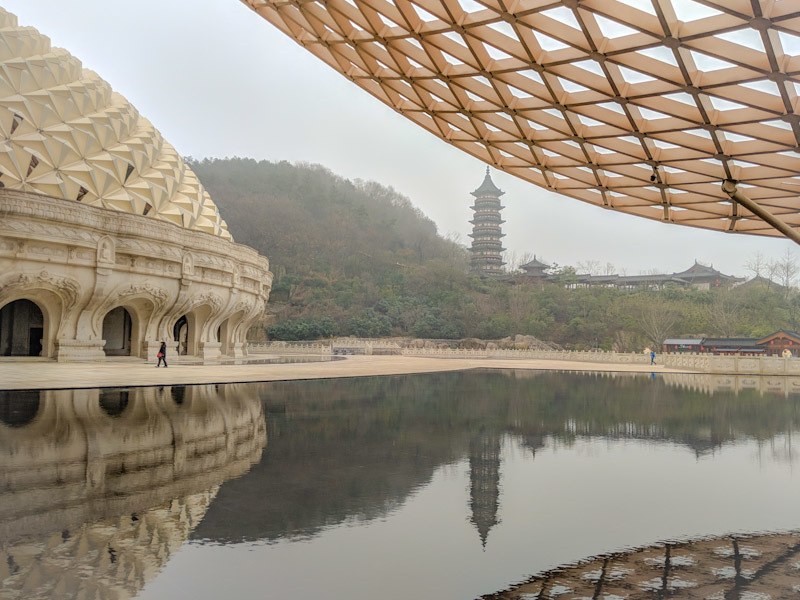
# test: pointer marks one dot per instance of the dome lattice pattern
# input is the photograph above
(641, 106)
(65, 133)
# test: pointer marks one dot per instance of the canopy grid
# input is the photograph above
(640, 106)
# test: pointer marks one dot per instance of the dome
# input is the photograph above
(65, 133)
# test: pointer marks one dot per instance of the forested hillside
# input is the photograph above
(357, 258)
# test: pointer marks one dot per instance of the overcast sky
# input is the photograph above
(218, 81)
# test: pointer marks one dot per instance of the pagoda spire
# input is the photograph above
(487, 248)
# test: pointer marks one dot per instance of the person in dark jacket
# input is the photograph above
(162, 355)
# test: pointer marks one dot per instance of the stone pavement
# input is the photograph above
(16, 374)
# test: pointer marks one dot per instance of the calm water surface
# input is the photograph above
(452, 485)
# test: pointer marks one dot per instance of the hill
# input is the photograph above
(357, 258)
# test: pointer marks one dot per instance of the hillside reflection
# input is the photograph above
(101, 487)
(357, 448)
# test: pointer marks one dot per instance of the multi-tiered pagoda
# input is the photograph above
(487, 247)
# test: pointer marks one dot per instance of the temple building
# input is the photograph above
(536, 269)
(109, 244)
(698, 276)
(486, 253)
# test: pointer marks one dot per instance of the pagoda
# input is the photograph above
(484, 482)
(487, 247)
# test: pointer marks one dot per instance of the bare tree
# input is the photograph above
(589, 267)
(724, 313)
(786, 269)
(609, 269)
(454, 237)
(656, 320)
(514, 261)
(756, 264)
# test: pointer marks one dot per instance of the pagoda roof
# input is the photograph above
(699, 270)
(535, 264)
(488, 188)
(778, 334)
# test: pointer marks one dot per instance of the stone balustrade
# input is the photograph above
(289, 348)
(701, 363)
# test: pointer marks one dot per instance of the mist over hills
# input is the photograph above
(358, 258)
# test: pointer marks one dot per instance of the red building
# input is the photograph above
(775, 344)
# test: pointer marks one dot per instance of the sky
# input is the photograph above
(218, 80)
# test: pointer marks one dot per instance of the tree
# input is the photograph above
(756, 265)
(514, 261)
(786, 269)
(724, 314)
(655, 318)
(590, 267)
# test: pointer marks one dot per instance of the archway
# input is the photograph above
(114, 401)
(18, 407)
(117, 326)
(21, 329)
(180, 334)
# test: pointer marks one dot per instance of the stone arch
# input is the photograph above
(114, 401)
(21, 328)
(250, 311)
(117, 332)
(180, 334)
(200, 318)
(195, 325)
(19, 408)
(142, 303)
(54, 297)
(226, 330)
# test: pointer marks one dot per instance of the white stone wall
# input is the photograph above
(79, 262)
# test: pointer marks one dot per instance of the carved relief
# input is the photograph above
(210, 299)
(188, 265)
(68, 289)
(156, 295)
(106, 251)
(166, 254)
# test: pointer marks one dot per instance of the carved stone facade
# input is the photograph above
(77, 263)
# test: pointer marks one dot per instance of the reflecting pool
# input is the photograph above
(495, 484)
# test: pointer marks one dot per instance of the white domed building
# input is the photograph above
(109, 244)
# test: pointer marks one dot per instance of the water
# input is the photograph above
(451, 485)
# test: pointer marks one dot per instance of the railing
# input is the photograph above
(289, 348)
(564, 355)
(335, 346)
(702, 363)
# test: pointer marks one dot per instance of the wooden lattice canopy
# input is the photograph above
(640, 106)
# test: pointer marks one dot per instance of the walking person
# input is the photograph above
(162, 355)
(652, 357)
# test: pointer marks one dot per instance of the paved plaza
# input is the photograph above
(48, 374)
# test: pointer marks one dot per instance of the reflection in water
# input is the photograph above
(357, 448)
(100, 487)
(484, 482)
(758, 567)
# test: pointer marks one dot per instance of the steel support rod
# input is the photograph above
(730, 188)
